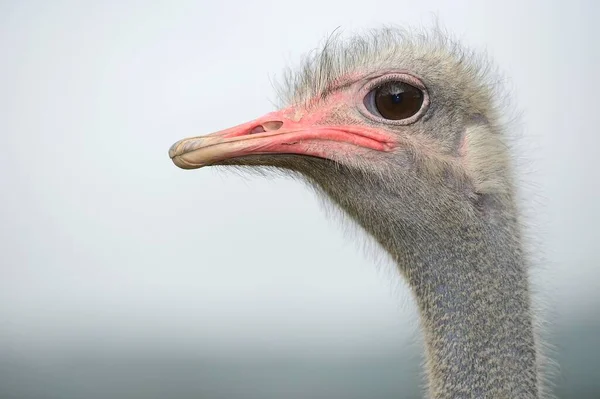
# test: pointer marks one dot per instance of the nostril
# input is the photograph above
(257, 129)
(266, 127)
(272, 125)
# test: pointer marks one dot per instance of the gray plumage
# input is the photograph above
(442, 204)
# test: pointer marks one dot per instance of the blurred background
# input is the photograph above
(122, 276)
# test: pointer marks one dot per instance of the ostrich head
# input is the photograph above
(402, 132)
(393, 126)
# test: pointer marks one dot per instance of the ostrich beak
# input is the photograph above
(276, 133)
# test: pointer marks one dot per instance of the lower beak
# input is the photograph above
(273, 135)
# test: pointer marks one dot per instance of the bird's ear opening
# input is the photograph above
(485, 159)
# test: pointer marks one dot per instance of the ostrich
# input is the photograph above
(403, 133)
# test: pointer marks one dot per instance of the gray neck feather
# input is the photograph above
(473, 297)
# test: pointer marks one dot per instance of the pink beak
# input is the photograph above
(276, 133)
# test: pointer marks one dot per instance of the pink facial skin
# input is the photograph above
(288, 131)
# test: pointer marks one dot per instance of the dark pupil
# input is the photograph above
(398, 100)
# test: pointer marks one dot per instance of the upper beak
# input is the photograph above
(273, 133)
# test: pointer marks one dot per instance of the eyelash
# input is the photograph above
(403, 78)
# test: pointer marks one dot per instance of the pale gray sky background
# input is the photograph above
(123, 276)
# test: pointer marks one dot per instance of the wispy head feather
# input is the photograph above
(388, 47)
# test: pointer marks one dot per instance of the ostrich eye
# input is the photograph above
(394, 100)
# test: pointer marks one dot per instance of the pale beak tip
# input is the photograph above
(173, 150)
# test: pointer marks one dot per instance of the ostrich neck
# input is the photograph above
(471, 286)
(473, 297)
